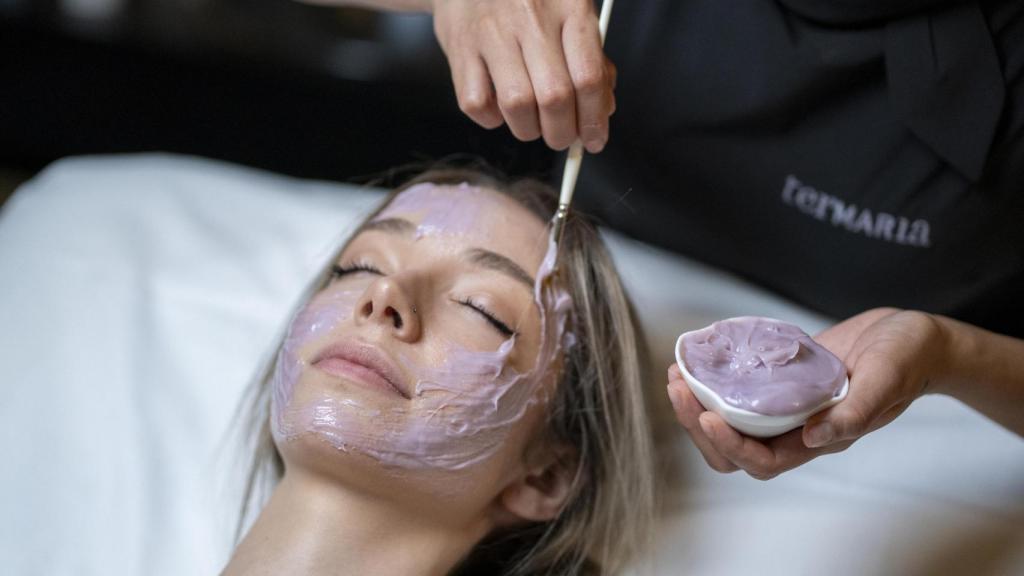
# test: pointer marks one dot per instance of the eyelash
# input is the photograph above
(339, 270)
(489, 316)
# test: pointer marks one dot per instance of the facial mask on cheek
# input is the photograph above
(315, 321)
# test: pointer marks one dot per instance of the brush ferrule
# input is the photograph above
(558, 225)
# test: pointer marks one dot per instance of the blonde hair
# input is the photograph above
(598, 409)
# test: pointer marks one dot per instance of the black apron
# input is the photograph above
(847, 155)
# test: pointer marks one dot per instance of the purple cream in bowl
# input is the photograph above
(763, 376)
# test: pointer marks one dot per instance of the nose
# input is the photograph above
(386, 303)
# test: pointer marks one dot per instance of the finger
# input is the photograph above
(513, 88)
(688, 410)
(475, 91)
(686, 406)
(674, 373)
(614, 71)
(744, 452)
(556, 104)
(715, 460)
(764, 459)
(790, 451)
(874, 390)
(591, 80)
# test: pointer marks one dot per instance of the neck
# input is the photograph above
(313, 526)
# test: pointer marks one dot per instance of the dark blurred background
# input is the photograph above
(336, 93)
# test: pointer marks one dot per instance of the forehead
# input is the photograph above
(472, 216)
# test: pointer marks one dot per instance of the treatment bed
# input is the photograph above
(138, 293)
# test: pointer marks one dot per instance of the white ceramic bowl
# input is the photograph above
(747, 422)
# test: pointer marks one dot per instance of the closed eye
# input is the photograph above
(489, 316)
(339, 270)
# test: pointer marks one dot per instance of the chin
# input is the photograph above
(358, 438)
(430, 492)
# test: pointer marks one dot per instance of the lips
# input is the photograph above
(362, 363)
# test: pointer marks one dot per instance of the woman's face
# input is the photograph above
(428, 355)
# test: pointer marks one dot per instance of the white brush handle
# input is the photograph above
(575, 157)
(606, 15)
(572, 170)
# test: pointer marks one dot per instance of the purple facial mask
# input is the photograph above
(763, 365)
(461, 411)
(437, 212)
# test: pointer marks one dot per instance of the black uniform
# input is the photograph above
(846, 153)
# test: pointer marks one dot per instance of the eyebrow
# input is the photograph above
(393, 225)
(477, 256)
(498, 263)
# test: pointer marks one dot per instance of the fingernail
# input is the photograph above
(819, 435)
(595, 145)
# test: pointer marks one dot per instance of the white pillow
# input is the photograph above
(138, 293)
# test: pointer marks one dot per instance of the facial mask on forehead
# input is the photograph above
(460, 411)
(437, 210)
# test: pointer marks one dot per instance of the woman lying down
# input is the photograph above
(443, 404)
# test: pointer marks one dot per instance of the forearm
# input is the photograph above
(395, 5)
(984, 370)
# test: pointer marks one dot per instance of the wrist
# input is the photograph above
(962, 349)
(944, 361)
(982, 369)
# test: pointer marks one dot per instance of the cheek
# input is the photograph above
(322, 315)
(469, 403)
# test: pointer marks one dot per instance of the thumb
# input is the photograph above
(872, 392)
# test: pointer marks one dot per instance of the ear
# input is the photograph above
(539, 494)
